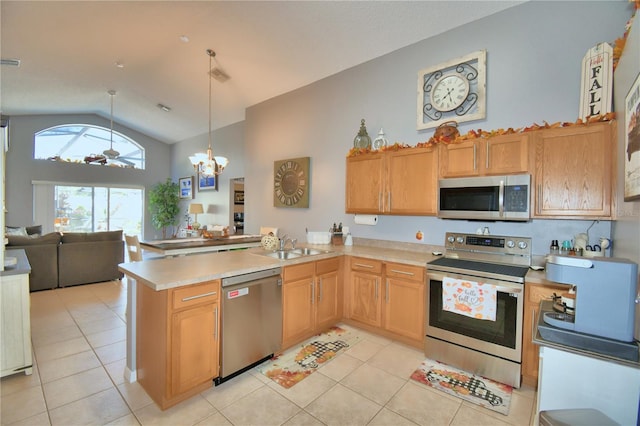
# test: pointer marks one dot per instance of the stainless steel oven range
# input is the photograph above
(490, 346)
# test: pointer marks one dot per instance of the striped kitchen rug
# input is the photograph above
(476, 389)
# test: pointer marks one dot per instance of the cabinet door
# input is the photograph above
(460, 159)
(15, 329)
(366, 297)
(364, 184)
(404, 303)
(327, 300)
(194, 347)
(297, 312)
(573, 171)
(534, 294)
(507, 154)
(412, 182)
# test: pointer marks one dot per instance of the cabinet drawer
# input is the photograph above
(540, 292)
(405, 272)
(327, 265)
(297, 272)
(195, 294)
(364, 264)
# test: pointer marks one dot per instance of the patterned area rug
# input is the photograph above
(299, 362)
(479, 390)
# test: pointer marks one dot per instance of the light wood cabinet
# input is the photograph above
(311, 299)
(402, 182)
(573, 171)
(15, 325)
(534, 294)
(499, 155)
(405, 300)
(365, 300)
(178, 341)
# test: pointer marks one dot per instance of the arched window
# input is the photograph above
(85, 143)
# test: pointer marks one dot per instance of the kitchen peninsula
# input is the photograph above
(182, 246)
(196, 279)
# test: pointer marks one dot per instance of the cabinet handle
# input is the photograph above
(376, 290)
(380, 201)
(533, 324)
(402, 272)
(539, 198)
(215, 324)
(475, 150)
(313, 292)
(386, 291)
(319, 290)
(389, 201)
(211, 293)
(486, 147)
(363, 265)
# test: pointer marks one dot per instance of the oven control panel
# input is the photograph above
(489, 244)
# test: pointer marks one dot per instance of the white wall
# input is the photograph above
(534, 54)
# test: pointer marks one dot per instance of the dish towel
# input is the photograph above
(469, 298)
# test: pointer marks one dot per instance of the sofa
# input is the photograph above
(70, 258)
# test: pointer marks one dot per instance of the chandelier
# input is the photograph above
(208, 164)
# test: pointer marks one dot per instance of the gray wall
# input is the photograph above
(22, 169)
(534, 54)
(227, 142)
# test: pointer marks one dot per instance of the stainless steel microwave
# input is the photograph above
(485, 198)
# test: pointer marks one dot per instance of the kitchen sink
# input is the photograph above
(292, 253)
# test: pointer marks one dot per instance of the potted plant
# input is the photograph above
(164, 201)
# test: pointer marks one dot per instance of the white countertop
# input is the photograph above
(170, 272)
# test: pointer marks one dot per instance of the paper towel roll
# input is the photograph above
(366, 219)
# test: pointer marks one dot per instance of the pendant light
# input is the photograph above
(206, 164)
(111, 153)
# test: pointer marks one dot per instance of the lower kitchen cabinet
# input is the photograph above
(534, 294)
(311, 299)
(388, 296)
(178, 341)
(365, 302)
(15, 325)
(404, 300)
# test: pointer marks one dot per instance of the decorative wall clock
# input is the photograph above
(453, 91)
(291, 182)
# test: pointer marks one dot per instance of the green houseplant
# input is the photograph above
(164, 205)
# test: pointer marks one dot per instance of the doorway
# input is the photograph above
(237, 203)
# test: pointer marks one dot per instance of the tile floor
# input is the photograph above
(78, 336)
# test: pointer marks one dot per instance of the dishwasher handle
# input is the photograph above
(251, 277)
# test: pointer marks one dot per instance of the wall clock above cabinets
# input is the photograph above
(452, 91)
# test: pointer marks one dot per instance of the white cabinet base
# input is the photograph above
(15, 325)
(568, 380)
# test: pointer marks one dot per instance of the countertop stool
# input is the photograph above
(575, 417)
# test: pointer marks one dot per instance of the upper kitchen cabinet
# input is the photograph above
(402, 182)
(573, 171)
(498, 155)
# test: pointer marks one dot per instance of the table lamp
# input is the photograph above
(195, 208)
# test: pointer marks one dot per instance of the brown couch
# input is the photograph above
(72, 258)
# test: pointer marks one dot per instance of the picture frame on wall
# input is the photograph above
(185, 185)
(632, 142)
(207, 183)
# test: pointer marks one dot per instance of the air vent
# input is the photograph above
(219, 75)
(12, 62)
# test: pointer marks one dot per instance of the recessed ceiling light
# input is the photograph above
(184, 38)
(164, 107)
(119, 65)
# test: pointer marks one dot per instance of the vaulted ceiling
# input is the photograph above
(72, 52)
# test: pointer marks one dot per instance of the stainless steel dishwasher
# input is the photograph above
(251, 321)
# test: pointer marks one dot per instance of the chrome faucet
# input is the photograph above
(283, 242)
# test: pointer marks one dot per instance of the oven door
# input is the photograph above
(502, 337)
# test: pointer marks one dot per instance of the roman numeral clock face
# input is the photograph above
(449, 92)
(291, 183)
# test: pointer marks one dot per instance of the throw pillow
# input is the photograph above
(16, 230)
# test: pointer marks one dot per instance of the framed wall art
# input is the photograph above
(291, 183)
(185, 185)
(453, 91)
(207, 183)
(632, 142)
